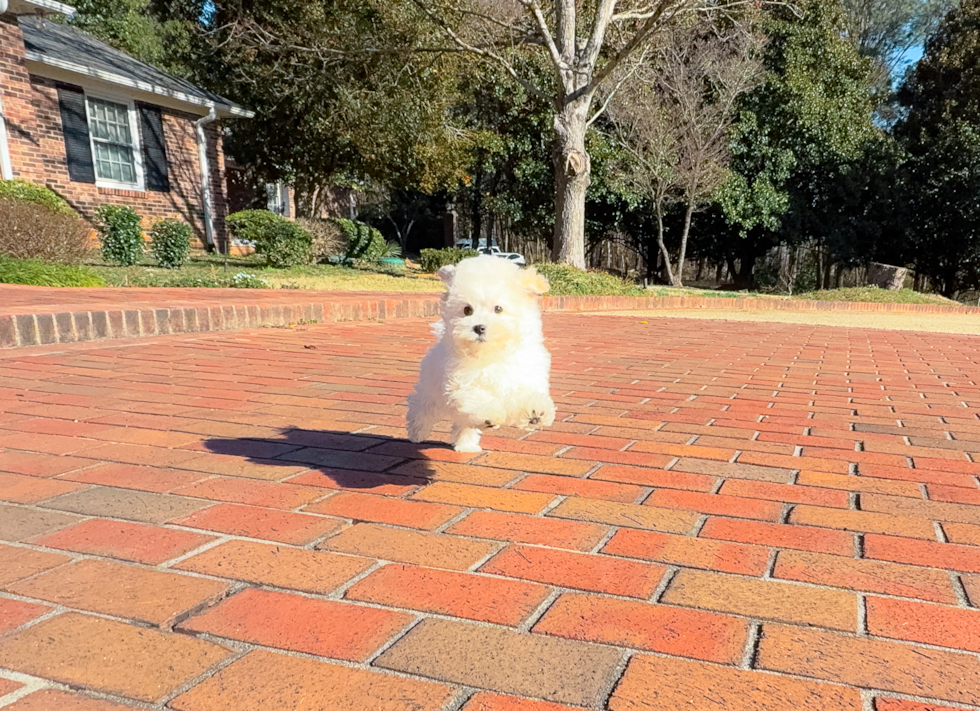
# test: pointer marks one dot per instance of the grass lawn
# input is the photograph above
(709, 293)
(34, 272)
(218, 270)
(877, 296)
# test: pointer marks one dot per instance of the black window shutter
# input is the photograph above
(154, 148)
(78, 149)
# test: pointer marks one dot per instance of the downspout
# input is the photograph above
(202, 154)
(6, 169)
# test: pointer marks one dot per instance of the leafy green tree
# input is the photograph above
(136, 27)
(941, 132)
(799, 133)
(333, 105)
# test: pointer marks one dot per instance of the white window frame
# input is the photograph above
(140, 184)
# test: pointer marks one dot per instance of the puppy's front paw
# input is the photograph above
(489, 417)
(539, 412)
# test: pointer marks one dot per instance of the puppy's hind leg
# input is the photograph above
(421, 418)
(466, 439)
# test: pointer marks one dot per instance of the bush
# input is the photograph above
(391, 250)
(250, 225)
(285, 244)
(282, 242)
(327, 238)
(29, 192)
(32, 230)
(431, 260)
(363, 241)
(120, 234)
(36, 272)
(569, 281)
(170, 242)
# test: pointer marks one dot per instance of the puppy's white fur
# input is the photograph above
(489, 366)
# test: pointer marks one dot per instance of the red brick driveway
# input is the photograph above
(727, 516)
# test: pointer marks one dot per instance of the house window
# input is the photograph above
(114, 144)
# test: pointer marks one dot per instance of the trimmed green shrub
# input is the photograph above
(23, 190)
(283, 243)
(250, 225)
(36, 272)
(170, 242)
(569, 281)
(431, 260)
(120, 234)
(363, 241)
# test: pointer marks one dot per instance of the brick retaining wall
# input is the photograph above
(38, 316)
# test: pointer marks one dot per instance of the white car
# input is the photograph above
(493, 250)
(514, 257)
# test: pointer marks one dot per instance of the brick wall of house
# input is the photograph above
(37, 150)
(18, 105)
(182, 202)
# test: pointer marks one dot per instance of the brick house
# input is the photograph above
(97, 126)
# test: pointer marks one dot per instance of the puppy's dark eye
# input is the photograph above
(468, 311)
(498, 309)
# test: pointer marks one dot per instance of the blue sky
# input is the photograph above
(913, 55)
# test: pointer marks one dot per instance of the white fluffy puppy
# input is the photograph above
(489, 366)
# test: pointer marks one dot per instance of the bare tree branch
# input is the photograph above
(665, 10)
(603, 17)
(626, 77)
(546, 37)
(565, 30)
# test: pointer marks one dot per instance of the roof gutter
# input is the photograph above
(130, 83)
(202, 154)
(37, 7)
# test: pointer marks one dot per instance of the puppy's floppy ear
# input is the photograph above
(534, 282)
(447, 273)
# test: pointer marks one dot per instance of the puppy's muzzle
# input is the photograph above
(480, 331)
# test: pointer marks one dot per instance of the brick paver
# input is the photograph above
(744, 516)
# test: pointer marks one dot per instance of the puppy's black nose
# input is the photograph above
(479, 330)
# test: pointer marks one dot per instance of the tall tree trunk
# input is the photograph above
(573, 171)
(684, 235)
(304, 194)
(477, 218)
(732, 272)
(660, 243)
(744, 278)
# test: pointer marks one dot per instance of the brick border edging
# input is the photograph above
(736, 303)
(21, 330)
